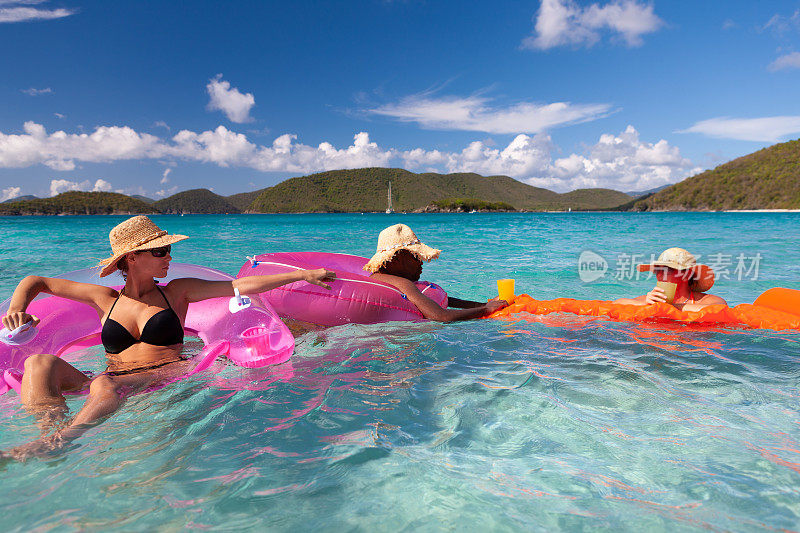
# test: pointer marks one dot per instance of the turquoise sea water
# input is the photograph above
(544, 423)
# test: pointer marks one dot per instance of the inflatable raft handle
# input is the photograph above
(11, 380)
(21, 335)
(209, 355)
(238, 302)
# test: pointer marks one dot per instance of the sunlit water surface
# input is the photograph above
(541, 423)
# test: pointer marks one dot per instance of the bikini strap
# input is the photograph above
(164, 296)
(115, 303)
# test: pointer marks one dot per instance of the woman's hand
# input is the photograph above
(319, 276)
(494, 304)
(655, 296)
(14, 320)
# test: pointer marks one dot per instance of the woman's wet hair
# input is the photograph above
(387, 266)
(122, 265)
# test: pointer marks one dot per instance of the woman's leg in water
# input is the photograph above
(45, 379)
(106, 394)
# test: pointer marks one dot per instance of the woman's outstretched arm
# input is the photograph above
(458, 303)
(195, 290)
(433, 311)
(31, 286)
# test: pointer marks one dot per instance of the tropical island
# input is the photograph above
(766, 179)
(339, 191)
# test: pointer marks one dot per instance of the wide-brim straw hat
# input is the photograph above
(702, 276)
(396, 238)
(134, 235)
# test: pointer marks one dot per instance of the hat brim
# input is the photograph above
(110, 264)
(702, 275)
(423, 252)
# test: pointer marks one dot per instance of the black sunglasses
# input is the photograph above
(159, 252)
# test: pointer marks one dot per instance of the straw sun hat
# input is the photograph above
(133, 235)
(679, 259)
(396, 238)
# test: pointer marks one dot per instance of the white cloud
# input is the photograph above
(620, 162)
(57, 186)
(523, 156)
(59, 150)
(37, 92)
(230, 101)
(59, 115)
(729, 24)
(166, 192)
(9, 193)
(102, 186)
(226, 148)
(475, 114)
(563, 22)
(20, 11)
(787, 61)
(161, 124)
(615, 161)
(780, 25)
(765, 129)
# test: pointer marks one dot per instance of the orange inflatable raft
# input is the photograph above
(776, 309)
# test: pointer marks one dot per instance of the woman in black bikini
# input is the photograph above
(143, 340)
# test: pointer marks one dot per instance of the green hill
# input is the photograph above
(595, 198)
(365, 190)
(767, 179)
(243, 200)
(145, 199)
(200, 201)
(21, 198)
(467, 205)
(79, 203)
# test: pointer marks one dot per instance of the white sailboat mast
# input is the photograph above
(389, 209)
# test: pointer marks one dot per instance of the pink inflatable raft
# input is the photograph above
(354, 297)
(247, 331)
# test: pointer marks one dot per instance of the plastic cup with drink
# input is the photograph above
(505, 289)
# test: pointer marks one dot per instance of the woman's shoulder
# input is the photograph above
(403, 284)
(178, 286)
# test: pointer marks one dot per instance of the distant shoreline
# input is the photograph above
(762, 211)
(575, 212)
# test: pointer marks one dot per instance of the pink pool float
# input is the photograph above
(244, 329)
(354, 296)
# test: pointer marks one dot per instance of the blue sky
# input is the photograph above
(156, 97)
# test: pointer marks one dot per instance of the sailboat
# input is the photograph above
(389, 209)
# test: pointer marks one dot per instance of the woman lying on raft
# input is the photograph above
(398, 262)
(681, 282)
(143, 339)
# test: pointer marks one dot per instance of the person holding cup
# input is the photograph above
(680, 281)
(398, 262)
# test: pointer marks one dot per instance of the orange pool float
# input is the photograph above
(776, 309)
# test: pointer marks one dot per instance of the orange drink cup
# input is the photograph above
(505, 289)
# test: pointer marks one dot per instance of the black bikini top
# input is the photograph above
(163, 329)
